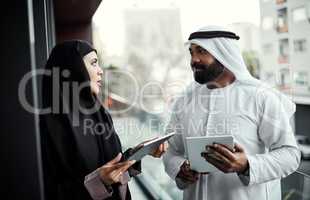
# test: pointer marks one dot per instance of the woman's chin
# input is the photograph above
(95, 91)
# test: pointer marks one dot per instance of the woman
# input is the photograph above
(78, 138)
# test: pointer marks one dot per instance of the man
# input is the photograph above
(227, 100)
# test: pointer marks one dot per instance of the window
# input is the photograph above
(301, 78)
(282, 21)
(299, 14)
(284, 77)
(300, 45)
(284, 51)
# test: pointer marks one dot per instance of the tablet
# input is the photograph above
(196, 145)
(148, 147)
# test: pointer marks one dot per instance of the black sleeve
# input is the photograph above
(50, 165)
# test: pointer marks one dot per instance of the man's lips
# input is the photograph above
(198, 69)
(99, 83)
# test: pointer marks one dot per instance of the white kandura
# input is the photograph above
(256, 115)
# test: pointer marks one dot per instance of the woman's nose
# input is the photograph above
(100, 71)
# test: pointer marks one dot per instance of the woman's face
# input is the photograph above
(94, 71)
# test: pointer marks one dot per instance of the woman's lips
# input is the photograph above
(99, 83)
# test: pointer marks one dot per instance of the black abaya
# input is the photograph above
(71, 149)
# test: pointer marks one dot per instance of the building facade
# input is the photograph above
(285, 39)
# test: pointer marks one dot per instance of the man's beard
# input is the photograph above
(207, 73)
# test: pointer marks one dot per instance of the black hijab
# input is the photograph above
(78, 134)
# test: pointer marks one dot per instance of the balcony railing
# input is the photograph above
(296, 186)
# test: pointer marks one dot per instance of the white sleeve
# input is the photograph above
(276, 164)
(174, 157)
(282, 155)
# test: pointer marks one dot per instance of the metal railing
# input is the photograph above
(296, 186)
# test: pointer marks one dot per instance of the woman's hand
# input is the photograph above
(157, 153)
(112, 171)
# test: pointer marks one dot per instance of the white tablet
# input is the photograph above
(196, 145)
(149, 147)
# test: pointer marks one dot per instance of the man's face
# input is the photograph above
(205, 67)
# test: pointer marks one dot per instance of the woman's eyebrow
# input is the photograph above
(94, 60)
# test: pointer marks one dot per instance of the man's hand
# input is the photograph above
(186, 174)
(157, 153)
(225, 159)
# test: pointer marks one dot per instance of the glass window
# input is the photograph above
(284, 51)
(284, 77)
(149, 66)
(282, 21)
(299, 14)
(300, 45)
(301, 78)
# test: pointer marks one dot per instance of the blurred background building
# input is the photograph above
(249, 44)
(285, 36)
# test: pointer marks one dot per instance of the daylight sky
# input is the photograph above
(193, 14)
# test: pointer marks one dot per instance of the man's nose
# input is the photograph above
(195, 59)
